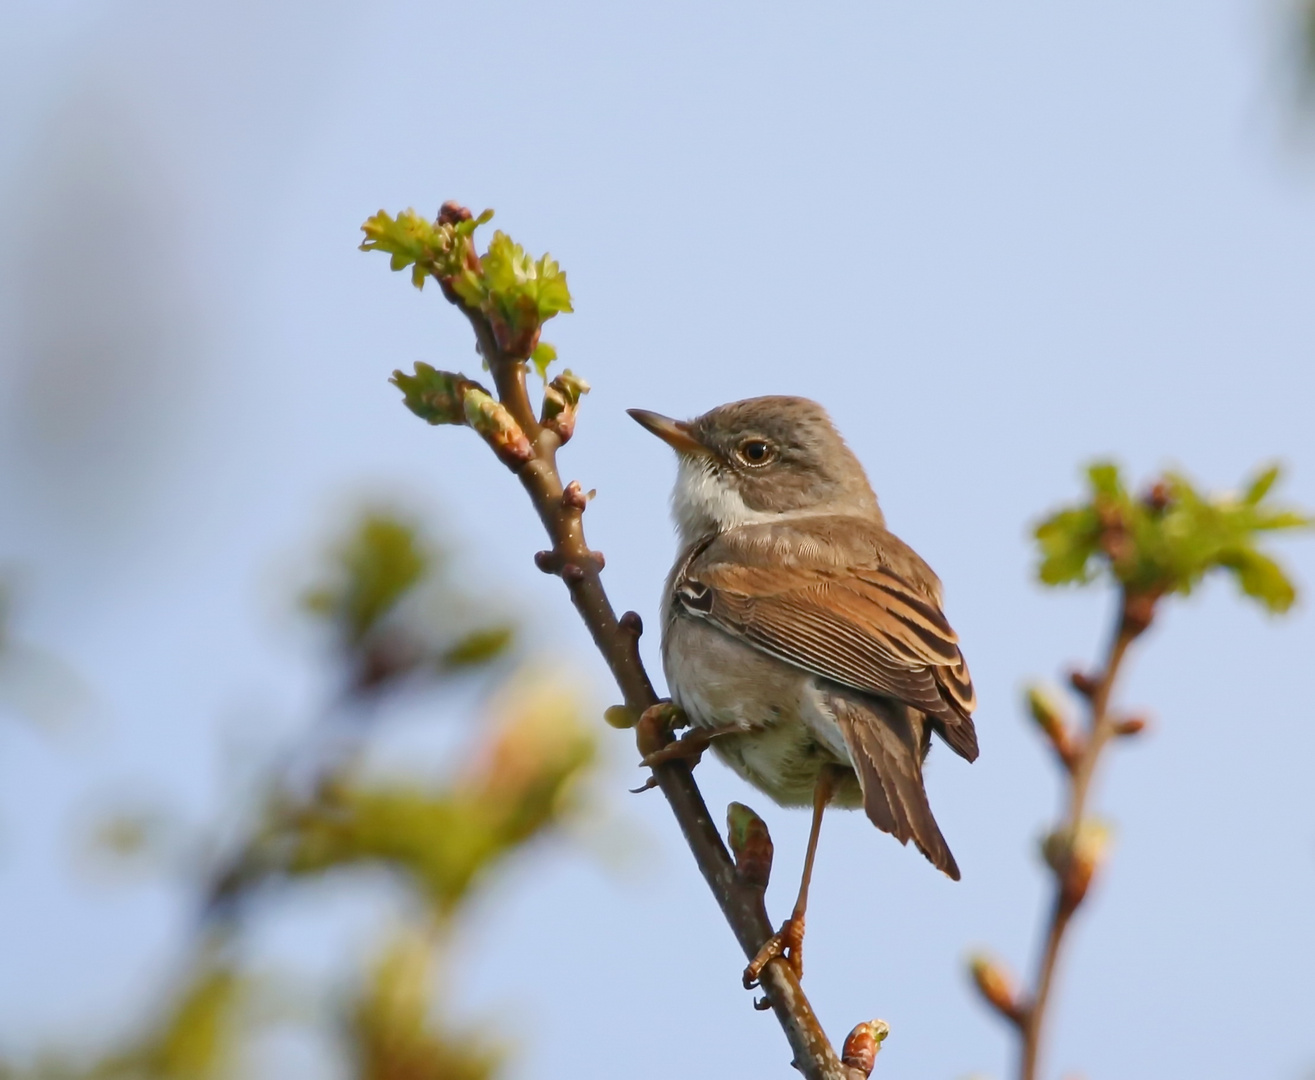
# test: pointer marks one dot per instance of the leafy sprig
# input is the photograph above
(516, 292)
(1170, 538)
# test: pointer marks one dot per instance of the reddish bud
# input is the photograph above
(1050, 719)
(1083, 683)
(1075, 855)
(751, 844)
(1138, 611)
(1158, 497)
(631, 623)
(862, 1046)
(996, 986)
(452, 212)
(1133, 725)
(491, 419)
(561, 399)
(574, 496)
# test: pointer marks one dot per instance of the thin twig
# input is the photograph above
(1134, 616)
(579, 568)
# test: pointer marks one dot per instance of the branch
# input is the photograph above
(1072, 864)
(560, 508)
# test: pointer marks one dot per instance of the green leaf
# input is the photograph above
(1259, 487)
(1068, 542)
(1105, 480)
(441, 250)
(1169, 540)
(542, 358)
(1261, 577)
(479, 647)
(435, 396)
(375, 567)
(522, 294)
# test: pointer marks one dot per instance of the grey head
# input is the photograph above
(760, 460)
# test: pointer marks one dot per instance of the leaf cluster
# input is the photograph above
(439, 249)
(448, 837)
(393, 1027)
(1168, 539)
(370, 593)
(516, 292)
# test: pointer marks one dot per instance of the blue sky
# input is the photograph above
(996, 240)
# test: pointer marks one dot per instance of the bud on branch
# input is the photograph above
(863, 1045)
(560, 400)
(997, 988)
(1075, 854)
(751, 844)
(491, 419)
(1050, 719)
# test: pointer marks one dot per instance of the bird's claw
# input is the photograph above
(689, 747)
(787, 943)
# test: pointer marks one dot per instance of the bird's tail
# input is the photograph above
(885, 742)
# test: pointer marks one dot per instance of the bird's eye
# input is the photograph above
(756, 452)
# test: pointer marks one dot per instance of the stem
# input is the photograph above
(1100, 730)
(742, 907)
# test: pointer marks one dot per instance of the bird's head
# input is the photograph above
(757, 461)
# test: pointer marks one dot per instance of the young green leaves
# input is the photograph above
(443, 397)
(1168, 539)
(514, 291)
(440, 249)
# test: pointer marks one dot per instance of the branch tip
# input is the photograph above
(751, 844)
(631, 623)
(574, 497)
(618, 716)
(1083, 683)
(863, 1045)
(1133, 725)
(998, 988)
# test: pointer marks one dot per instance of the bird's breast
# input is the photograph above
(720, 681)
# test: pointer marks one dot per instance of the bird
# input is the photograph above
(802, 640)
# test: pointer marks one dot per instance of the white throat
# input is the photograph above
(702, 502)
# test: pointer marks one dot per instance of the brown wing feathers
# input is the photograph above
(883, 743)
(864, 627)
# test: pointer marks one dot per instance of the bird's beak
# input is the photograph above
(675, 433)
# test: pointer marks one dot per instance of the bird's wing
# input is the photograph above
(885, 744)
(850, 603)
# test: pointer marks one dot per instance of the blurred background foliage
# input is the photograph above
(1082, 222)
(391, 618)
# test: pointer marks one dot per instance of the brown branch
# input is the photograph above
(1135, 613)
(579, 568)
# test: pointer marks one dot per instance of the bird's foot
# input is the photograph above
(689, 747)
(787, 943)
(657, 723)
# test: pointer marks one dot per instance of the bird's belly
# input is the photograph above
(783, 744)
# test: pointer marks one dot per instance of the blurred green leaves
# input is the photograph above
(518, 783)
(377, 563)
(1170, 538)
(513, 290)
(384, 592)
(392, 1025)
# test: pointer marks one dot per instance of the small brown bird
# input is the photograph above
(803, 641)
